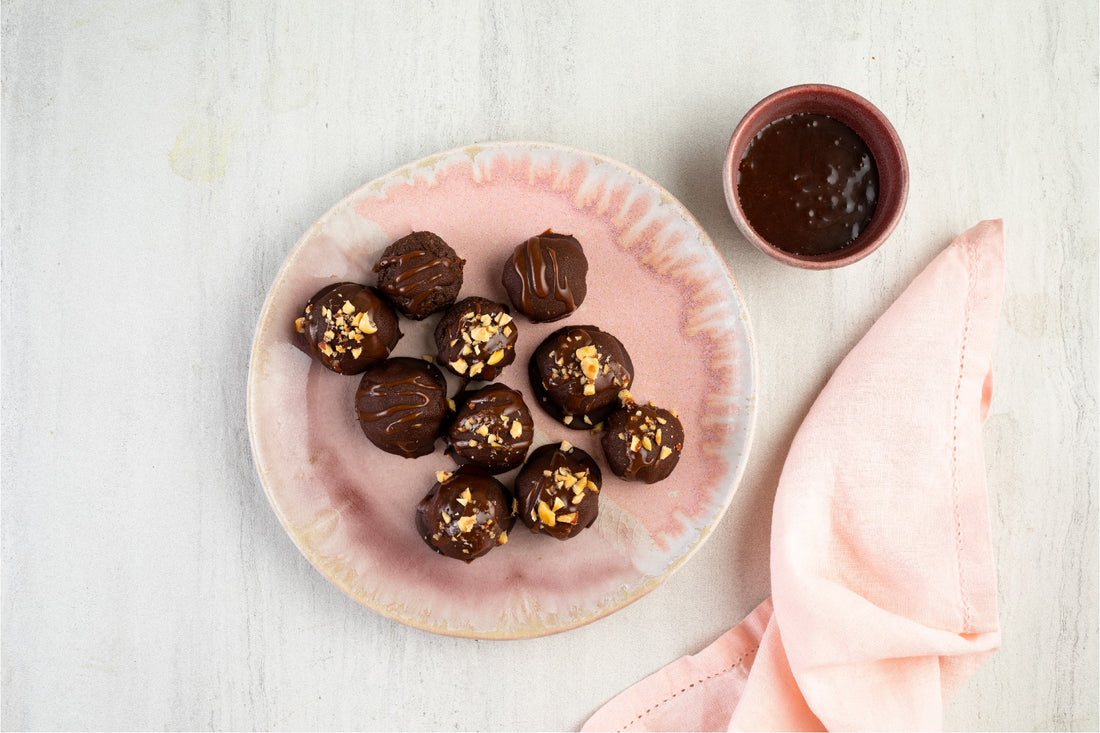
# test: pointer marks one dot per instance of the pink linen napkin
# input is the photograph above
(883, 590)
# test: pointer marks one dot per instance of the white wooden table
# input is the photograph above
(160, 159)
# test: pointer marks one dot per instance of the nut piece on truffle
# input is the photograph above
(465, 514)
(420, 274)
(349, 327)
(545, 276)
(476, 339)
(401, 404)
(558, 491)
(576, 374)
(642, 442)
(492, 429)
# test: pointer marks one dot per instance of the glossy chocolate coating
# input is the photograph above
(545, 276)
(476, 339)
(642, 442)
(465, 514)
(492, 429)
(349, 327)
(558, 491)
(420, 274)
(577, 372)
(808, 184)
(401, 404)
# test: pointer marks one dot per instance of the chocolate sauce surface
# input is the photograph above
(401, 404)
(808, 184)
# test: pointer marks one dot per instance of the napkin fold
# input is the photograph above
(883, 588)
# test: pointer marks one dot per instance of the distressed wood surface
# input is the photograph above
(161, 158)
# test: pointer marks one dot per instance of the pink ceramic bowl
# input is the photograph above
(866, 121)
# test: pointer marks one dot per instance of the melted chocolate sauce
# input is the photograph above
(808, 184)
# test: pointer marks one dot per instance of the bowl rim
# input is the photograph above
(857, 113)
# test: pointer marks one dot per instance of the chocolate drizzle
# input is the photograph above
(545, 277)
(418, 272)
(401, 404)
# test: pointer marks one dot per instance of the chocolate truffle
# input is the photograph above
(401, 404)
(476, 338)
(558, 491)
(642, 442)
(545, 276)
(466, 514)
(420, 274)
(577, 372)
(492, 429)
(349, 327)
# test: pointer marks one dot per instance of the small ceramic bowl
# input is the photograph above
(866, 121)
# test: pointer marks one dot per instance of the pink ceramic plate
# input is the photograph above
(655, 280)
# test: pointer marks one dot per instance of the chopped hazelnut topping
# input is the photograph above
(586, 352)
(634, 443)
(558, 503)
(657, 437)
(665, 452)
(545, 515)
(647, 443)
(356, 352)
(503, 539)
(476, 368)
(465, 497)
(446, 517)
(442, 476)
(329, 335)
(504, 319)
(366, 325)
(482, 333)
(625, 396)
(516, 430)
(465, 524)
(348, 307)
(300, 324)
(590, 367)
(589, 389)
(577, 498)
(482, 430)
(566, 446)
(567, 419)
(570, 518)
(495, 357)
(459, 365)
(451, 404)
